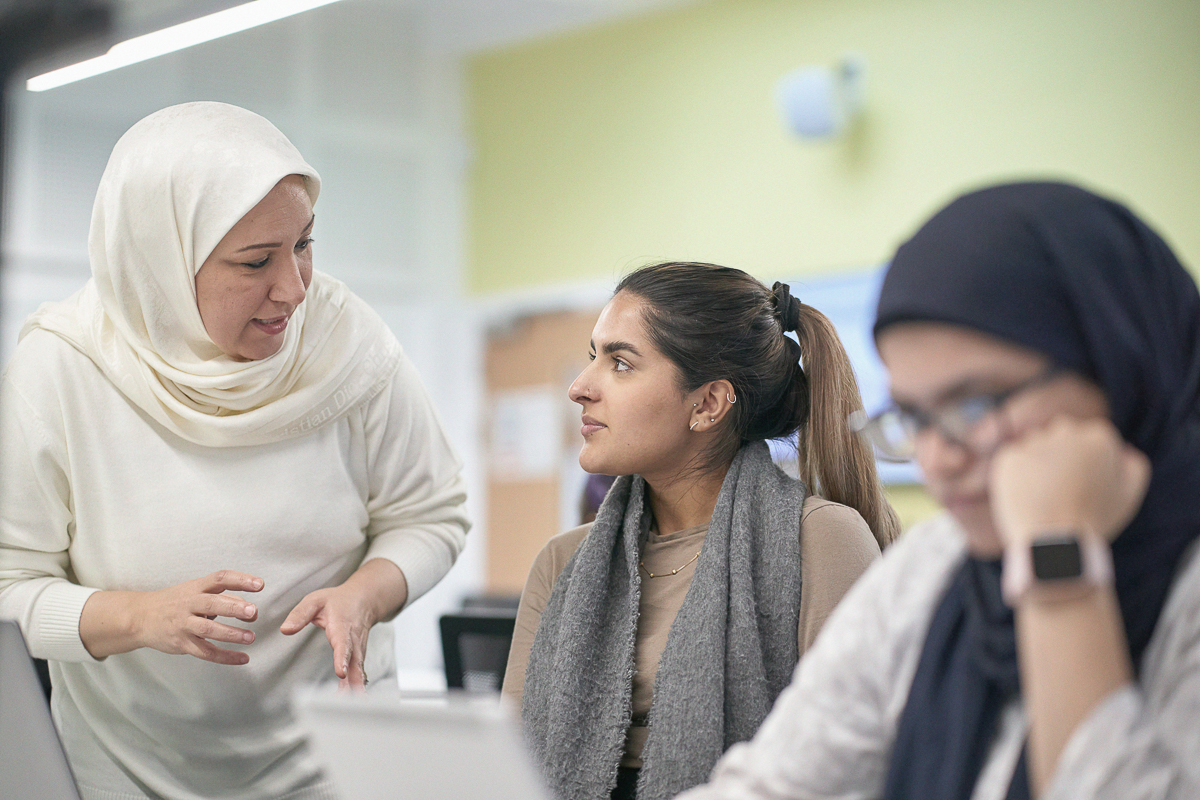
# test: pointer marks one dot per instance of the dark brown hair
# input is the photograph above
(716, 323)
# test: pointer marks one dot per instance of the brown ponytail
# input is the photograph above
(832, 459)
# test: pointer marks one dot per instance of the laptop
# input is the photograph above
(32, 761)
(420, 746)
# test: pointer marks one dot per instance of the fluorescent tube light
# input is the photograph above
(176, 37)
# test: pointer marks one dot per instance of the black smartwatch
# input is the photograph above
(1056, 557)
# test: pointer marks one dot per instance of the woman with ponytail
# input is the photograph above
(654, 638)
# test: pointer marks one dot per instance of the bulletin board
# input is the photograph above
(533, 432)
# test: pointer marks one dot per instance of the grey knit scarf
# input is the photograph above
(730, 651)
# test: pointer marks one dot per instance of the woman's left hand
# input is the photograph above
(1072, 474)
(346, 613)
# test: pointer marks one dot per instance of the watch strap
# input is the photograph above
(1056, 565)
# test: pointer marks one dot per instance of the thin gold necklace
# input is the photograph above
(675, 571)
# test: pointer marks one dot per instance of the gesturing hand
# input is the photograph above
(1070, 474)
(347, 612)
(179, 619)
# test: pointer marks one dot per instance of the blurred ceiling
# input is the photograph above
(461, 26)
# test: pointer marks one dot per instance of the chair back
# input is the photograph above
(475, 649)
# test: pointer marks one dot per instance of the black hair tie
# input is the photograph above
(787, 308)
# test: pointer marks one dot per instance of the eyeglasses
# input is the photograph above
(971, 422)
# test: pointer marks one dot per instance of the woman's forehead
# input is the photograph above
(928, 359)
(622, 319)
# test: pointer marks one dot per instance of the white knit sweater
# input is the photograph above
(98, 496)
(830, 733)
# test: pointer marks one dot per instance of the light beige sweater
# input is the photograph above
(98, 496)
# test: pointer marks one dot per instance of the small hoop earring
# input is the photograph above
(692, 427)
(731, 401)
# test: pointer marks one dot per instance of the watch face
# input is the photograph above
(1056, 557)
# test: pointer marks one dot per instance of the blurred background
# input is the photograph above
(492, 167)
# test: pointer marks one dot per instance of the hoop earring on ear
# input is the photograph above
(731, 402)
(692, 427)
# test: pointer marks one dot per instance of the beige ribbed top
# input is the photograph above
(836, 546)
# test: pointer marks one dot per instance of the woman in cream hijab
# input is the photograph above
(219, 471)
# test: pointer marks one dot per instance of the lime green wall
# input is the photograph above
(658, 137)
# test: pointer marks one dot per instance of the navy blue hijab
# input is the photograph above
(1079, 278)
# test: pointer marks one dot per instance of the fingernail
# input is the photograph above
(248, 637)
(258, 583)
(249, 611)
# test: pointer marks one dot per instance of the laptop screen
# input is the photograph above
(32, 761)
(380, 746)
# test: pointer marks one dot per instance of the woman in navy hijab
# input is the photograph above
(1042, 637)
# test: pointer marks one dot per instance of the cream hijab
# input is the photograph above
(175, 184)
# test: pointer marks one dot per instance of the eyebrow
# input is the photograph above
(307, 228)
(613, 347)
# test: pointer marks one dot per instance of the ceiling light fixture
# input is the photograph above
(176, 37)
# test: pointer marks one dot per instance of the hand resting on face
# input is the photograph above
(1070, 474)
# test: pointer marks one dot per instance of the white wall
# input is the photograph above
(360, 91)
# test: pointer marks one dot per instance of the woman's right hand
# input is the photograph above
(180, 619)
